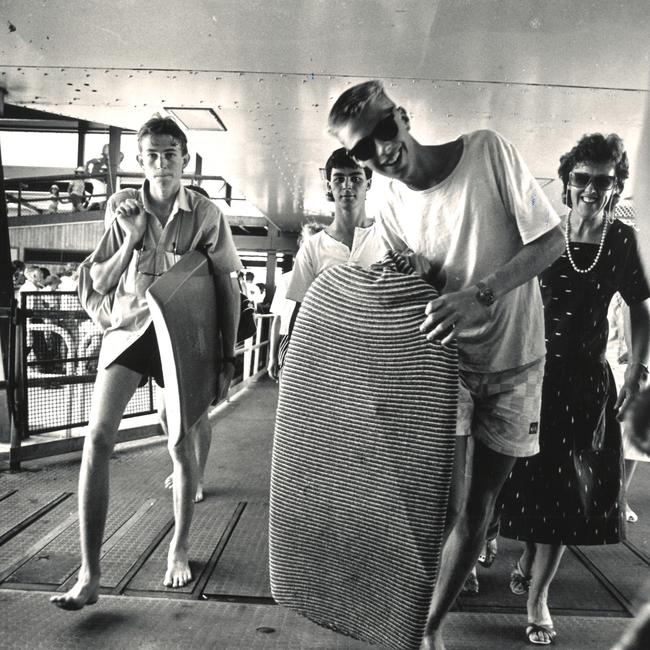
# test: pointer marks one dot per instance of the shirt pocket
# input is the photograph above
(171, 257)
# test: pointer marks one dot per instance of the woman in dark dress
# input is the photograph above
(572, 491)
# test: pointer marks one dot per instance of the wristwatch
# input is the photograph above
(484, 295)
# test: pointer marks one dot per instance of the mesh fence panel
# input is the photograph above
(625, 212)
(61, 347)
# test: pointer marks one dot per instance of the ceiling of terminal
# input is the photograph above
(540, 72)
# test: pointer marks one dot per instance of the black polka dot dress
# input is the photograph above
(572, 491)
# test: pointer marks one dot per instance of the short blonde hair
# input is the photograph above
(353, 101)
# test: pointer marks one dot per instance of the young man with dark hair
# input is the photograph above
(150, 229)
(475, 212)
(351, 238)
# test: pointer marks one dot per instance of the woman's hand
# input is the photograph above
(638, 421)
(636, 376)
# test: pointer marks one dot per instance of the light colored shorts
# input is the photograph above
(501, 409)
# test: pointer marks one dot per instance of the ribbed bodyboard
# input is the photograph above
(362, 458)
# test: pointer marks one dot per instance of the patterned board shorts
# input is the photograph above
(501, 409)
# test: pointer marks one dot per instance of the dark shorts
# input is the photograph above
(143, 357)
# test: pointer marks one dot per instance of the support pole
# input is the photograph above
(7, 310)
(271, 266)
(82, 129)
(114, 142)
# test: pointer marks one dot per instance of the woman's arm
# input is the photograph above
(636, 373)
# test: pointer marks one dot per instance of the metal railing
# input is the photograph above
(58, 348)
(55, 366)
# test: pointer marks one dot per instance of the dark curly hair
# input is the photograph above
(596, 148)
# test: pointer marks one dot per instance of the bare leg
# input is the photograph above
(528, 557)
(630, 466)
(202, 441)
(460, 551)
(459, 481)
(547, 561)
(183, 456)
(114, 387)
(202, 436)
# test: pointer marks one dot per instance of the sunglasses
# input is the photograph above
(601, 182)
(384, 130)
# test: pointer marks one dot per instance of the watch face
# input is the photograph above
(485, 295)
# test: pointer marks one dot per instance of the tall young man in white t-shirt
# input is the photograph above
(352, 238)
(472, 208)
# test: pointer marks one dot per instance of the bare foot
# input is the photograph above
(433, 641)
(85, 592)
(178, 572)
(169, 484)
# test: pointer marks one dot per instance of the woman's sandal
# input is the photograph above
(540, 634)
(519, 582)
(630, 515)
(489, 553)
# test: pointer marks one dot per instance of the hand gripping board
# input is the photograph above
(362, 458)
(183, 305)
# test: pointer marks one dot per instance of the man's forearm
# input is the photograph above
(529, 262)
(229, 306)
(105, 275)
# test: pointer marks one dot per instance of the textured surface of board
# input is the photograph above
(362, 457)
(184, 308)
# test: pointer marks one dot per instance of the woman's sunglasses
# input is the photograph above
(601, 182)
(384, 130)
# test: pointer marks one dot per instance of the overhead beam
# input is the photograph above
(283, 243)
(56, 218)
(21, 118)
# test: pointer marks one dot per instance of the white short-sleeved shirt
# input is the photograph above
(321, 251)
(470, 224)
(194, 222)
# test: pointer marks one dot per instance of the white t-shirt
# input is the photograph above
(467, 226)
(253, 292)
(321, 251)
(280, 305)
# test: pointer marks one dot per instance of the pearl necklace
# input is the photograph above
(567, 241)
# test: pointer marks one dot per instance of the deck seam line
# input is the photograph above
(603, 579)
(213, 560)
(35, 516)
(123, 584)
(37, 546)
